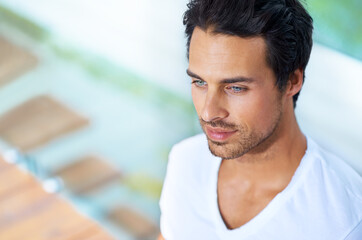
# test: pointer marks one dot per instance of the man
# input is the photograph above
(253, 174)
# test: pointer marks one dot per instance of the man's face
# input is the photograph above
(234, 92)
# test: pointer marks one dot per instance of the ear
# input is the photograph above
(295, 82)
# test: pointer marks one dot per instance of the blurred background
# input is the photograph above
(93, 94)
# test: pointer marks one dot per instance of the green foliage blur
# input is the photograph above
(338, 24)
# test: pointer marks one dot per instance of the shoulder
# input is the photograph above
(185, 191)
(191, 158)
(190, 148)
(337, 170)
(190, 145)
(185, 158)
(325, 196)
(338, 187)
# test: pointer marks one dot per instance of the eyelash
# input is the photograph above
(232, 88)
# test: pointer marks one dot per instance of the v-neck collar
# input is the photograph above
(267, 213)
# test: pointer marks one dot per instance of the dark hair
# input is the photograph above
(284, 24)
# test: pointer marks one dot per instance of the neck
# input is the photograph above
(273, 162)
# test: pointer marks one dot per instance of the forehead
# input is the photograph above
(220, 55)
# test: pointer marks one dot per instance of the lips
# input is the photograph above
(218, 134)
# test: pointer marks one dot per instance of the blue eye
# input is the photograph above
(236, 89)
(199, 83)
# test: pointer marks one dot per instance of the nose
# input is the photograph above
(214, 107)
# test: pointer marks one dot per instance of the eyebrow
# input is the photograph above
(226, 80)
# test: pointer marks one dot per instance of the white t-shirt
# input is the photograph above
(322, 201)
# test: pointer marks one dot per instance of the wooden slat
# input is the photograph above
(3, 165)
(87, 174)
(14, 61)
(37, 122)
(90, 233)
(13, 180)
(54, 219)
(134, 222)
(23, 204)
(28, 212)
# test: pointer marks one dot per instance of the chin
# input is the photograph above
(226, 150)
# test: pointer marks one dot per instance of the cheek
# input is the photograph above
(197, 99)
(255, 110)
